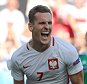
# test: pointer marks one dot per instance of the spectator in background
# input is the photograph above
(79, 15)
(26, 35)
(6, 51)
(8, 47)
(61, 26)
(12, 19)
(32, 3)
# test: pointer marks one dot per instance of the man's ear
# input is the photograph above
(30, 26)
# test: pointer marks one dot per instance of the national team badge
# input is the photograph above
(53, 63)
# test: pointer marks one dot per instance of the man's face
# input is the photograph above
(42, 27)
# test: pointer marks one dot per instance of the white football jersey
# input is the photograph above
(49, 67)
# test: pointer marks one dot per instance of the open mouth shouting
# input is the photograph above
(45, 35)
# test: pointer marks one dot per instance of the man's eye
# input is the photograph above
(45, 22)
(49, 22)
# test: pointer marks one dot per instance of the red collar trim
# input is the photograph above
(53, 41)
(27, 46)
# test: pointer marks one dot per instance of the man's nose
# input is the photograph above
(47, 25)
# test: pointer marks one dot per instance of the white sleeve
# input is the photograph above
(16, 72)
(70, 57)
(73, 62)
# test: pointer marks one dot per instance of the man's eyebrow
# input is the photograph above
(42, 22)
(49, 22)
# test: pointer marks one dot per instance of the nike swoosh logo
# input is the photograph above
(26, 66)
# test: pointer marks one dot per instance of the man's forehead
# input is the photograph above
(43, 16)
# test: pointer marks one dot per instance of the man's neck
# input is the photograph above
(39, 47)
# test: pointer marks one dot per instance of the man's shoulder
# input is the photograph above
(63, 43)
(19, 52)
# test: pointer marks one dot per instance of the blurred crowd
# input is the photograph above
(69, 23)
